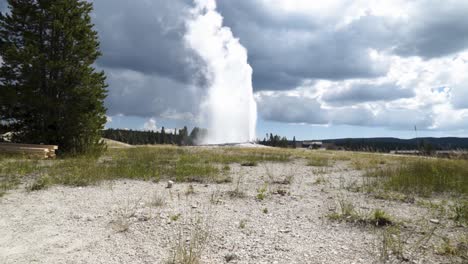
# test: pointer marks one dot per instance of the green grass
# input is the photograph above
(319, 161)
(423, 177)
(385, 173)
(262, 193)
(457, 248)
(12, 171)
(347, 212)
(380, 218)
(459, 211)
(139, 163)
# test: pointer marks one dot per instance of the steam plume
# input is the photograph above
(229, 111)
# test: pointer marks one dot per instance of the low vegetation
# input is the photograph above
(262, 192)
(319, 161)
(459, 211)
(140, 163)
(454, 248)
(347, 212)
(190, 243)
(423, 177)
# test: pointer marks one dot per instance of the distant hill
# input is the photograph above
(388, 143)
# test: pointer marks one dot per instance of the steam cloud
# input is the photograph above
(229, 110)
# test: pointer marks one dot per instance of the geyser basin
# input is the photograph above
(229, 110)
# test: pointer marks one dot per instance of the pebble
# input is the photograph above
(169, 184)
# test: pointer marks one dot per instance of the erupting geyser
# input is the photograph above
(229, 110)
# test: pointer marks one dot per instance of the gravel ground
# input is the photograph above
(119, 222)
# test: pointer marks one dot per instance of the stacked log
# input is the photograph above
(30, 150)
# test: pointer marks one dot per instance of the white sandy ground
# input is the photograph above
(78, 225)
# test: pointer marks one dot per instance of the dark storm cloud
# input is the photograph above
(138, 94)
(147, 36)
(361, 92)
(151, 72)
(285, 50)
(438, 28)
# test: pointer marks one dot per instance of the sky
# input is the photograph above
(321, 69)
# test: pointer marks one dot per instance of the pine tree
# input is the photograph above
(49, 91)
(163, 136)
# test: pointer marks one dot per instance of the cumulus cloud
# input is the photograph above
(150, 125)
(366, 92)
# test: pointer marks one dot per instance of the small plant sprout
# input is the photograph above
(242, 223)
(190, 190)
(237, 192)
(190, 243)
(380, 218)
(158, 200)
(262, 193)
(174, 217)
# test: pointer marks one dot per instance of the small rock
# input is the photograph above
(194, 206)
(143, 218)
(169, 184)
(230, 257)
(77, 217)
(434, 221)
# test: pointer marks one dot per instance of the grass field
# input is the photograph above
(383, 172)
(142, 163)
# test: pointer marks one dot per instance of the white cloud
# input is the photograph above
(150, 125)
(430, 94)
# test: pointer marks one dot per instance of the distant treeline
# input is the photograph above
(389, 144)
(182, 137)
(277, 141)
(179, 137)
(425, 145)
